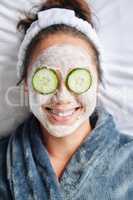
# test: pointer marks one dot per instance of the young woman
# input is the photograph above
(69, 147)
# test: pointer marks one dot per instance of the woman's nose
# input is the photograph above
(63, 95)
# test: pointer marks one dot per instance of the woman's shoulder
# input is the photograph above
(124, 138)
(4, 190)
(120, 168)
(122, 159)
(125, 142)
(124, 146)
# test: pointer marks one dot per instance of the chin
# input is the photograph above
(63, 130)
(59, 131)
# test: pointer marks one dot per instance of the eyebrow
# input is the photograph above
(56, 69)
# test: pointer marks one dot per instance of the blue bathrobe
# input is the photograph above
(101, 168)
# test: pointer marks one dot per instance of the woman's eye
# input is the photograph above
(79, 80)
(45, 81)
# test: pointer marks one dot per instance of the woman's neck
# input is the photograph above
(63, 148)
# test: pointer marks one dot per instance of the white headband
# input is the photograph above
(51, 17)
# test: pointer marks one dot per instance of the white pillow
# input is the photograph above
(116, 34)
(11, 115)
(114, 28)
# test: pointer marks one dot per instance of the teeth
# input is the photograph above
(66, 113)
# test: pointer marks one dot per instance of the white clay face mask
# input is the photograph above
(62, 112)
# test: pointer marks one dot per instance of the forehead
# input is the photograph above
(63, 57)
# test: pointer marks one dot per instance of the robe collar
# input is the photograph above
(30, 172)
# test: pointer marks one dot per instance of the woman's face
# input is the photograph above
(62, 112)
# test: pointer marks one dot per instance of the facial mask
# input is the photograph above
(63, 58)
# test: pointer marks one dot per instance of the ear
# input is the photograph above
(26, 86)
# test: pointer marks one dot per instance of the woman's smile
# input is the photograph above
(58, 116)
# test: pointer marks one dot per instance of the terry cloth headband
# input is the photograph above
(51, 17)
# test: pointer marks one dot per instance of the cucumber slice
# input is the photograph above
(79, 80)
(45, 80)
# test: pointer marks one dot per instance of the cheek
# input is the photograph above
(37, 100)
(88, 99)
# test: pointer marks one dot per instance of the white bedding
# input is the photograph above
(115, 30)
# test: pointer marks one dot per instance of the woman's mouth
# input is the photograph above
(63, 116)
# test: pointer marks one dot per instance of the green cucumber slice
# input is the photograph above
(79, 80)
(45, 80)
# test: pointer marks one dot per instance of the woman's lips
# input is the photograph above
(63, 116)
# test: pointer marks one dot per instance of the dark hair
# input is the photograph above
(82, 10)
